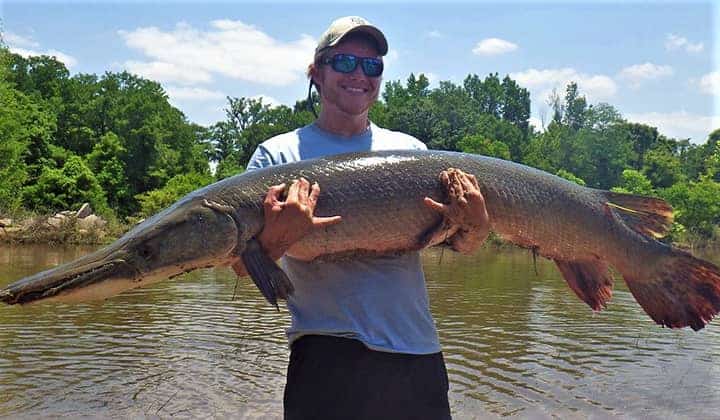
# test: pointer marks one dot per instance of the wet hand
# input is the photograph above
(286, 222)
(466, 210)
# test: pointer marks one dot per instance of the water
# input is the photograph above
(516, 343)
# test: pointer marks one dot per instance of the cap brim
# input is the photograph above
(369, 30)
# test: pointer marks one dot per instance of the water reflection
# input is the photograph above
(516, 343)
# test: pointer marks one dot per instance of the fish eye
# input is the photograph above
(146, 252)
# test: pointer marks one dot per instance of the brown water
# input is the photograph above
(516, 344)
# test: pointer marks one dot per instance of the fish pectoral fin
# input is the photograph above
(646, 215)
(589, 279)
(438, 234)
(268, 277)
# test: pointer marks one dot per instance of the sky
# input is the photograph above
(657, 62)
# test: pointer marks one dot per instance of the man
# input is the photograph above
(363, 341)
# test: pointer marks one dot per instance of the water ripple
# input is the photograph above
(516, 343)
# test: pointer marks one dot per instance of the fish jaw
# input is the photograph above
(192, 234)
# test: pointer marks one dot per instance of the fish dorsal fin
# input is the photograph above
(268, 277)
(590, 280)
(646, 215)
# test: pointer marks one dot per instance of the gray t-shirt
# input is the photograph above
(381, 301)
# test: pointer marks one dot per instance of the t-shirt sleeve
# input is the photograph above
(261, 158)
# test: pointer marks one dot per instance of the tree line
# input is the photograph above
(115, 141)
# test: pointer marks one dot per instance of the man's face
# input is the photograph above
(351, 93)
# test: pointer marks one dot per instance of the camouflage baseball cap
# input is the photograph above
(351, 24)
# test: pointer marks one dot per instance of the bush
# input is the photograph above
(65, 189)
(178, 186)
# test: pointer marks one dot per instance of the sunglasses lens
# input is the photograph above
(347, 63)
(344, 63)
(372, 67)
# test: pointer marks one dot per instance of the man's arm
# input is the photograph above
(466, 210)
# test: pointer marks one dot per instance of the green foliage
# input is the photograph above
(575, 110)
(483, 146)
(643, 138)
(178, 186)
(562, 173)
(696, 205)
(503, 132)
(227, 168)
(713, 163)
(13, 169)
(662, 168)
(66, 188)
(105, 160)
(249, 122)
(634, 182)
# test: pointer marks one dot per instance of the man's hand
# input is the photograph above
(286, 222)
(466, 210)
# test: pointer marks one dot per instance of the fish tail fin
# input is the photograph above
(267, 276)
(645, 215)
(678, 292)
(590, 280)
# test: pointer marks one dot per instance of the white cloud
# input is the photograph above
(66, 59)
(595, 87)
(27, 47)
(19, 41)
(168, 72)
(636, 74)
(391, 57)
(229, 48)
(494, 46)
(674, 42)
(679, 124)
(434, 34)
(177, 93)
(710, 83)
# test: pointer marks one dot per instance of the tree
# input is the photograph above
(697, 205)
(178, 186)
(643, 138)
(481, 145)
(575, 108)
(41, 76)
(451, 116)
(515, 105)
(105, 161)
(13, 132)
(487, 95)
(412, 111)
(562, 173)
(662, 167)
(634, 182)
(65, 188)
(501, 131)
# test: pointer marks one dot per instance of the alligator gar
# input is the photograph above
(380, 198)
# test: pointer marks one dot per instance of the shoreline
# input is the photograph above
(71, 231)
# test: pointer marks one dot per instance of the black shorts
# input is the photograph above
(339, 378)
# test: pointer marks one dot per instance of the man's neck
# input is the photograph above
(344, 125)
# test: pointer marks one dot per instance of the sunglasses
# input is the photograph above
(347, 63)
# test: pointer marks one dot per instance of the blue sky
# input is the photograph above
(656, 62)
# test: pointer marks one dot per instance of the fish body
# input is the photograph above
(380, 198)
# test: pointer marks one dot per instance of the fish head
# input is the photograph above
(191, 234)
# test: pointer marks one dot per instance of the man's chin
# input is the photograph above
(355, 110)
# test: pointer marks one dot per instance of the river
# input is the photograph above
(517, 343)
